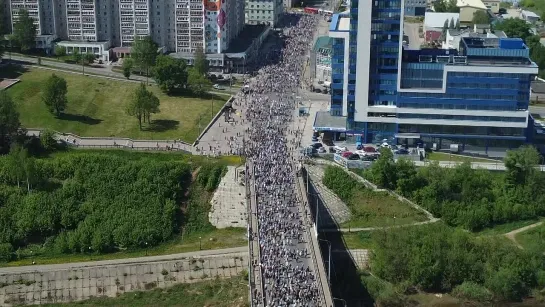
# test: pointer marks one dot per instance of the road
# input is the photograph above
(511, 235)
(139, 260)
(411, 30)
(106, 71)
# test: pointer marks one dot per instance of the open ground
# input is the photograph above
(96, 107)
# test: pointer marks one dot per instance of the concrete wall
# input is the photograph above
(75, 284)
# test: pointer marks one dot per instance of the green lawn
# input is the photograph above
(532, 239)
(358, 240)
(96, 107)
(215, 239)
(441, 156)
(378, 209)
(231, 292)
(505, 228)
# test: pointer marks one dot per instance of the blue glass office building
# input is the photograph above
(475, 95)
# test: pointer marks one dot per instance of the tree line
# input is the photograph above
(462, 196)
(436, 258)
(171, 74)
(96, 203)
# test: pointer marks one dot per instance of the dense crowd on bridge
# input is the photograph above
(285, 264)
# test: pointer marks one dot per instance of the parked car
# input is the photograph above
(331, 149)
(322, 150)
(317, 145)
(354, 157)
(328, 142)
(359, 147)
(340, 149)
(368, 158)
(314, 138)
(346, 154)
(401, 151)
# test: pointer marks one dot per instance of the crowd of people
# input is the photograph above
(285, 264)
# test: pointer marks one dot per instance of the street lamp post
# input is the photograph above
(146, 248)
(200, 243)
(328, 259)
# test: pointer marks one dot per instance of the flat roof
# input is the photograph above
(471, 3)
(79, 43)
(322, 42)
(437, 20)
(344, 24)
(325, 121)
(245, 38)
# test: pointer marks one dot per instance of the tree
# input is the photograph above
(60, 51)
(481, 18)
(200, 62)
(515, 27)
(458, 24)
(521, 164)
(76, 55)
(444, 30)
(21, 166)
(440, 6)
(170, 73)
(128, 64)
(452, 24)
(54, 94)
(144, 53)
(24, 31)
(383, 171)
(47, 140)
(452, 6)
(197, 82)
(9, 122)
(88, 58)
(142, 105)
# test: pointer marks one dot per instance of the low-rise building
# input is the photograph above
(468, 9)
(100, 49)
(320, 59)
(492, 5)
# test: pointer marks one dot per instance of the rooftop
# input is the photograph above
(339, 22)
(471, 3)
(529, 14)
(437, 20)
(79, 43)
(322, 42)
(245, 38)
(325, 121)
(538, 87)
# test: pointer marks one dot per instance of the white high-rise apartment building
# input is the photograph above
(134, 16)
(264, 12)
(189, 25)
(81, 20)
(33, 9)
(180, 26)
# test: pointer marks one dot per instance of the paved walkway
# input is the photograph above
(229, 201)
(512, 234)
(79, 281)
(336, 207)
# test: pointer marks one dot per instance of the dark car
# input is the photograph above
(401, 151)
(354, 157)
(331, 149)
(314, 138)
(317, 145)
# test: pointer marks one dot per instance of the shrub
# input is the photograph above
(472, 291)
(6, 252)
(47, 140)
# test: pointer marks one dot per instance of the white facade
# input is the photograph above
(134, 20)
(33, 9)
(81, 20)
(189, 25)
(100, 49)
(264, 12)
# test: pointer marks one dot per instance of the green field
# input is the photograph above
(533, 239)
(231, 292)
(96, 107)
(441, 156)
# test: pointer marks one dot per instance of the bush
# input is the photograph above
(47, 140)
(6, 252)
(341, 183)
(472, 291)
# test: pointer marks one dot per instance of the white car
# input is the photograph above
(322, 150)
(218, 87)
(339, 149)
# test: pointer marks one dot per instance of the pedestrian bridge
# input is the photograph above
(316, 263)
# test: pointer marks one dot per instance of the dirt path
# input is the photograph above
(511, 235)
